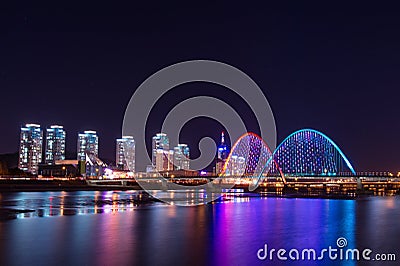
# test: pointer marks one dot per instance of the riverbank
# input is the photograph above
(291, 190)
(57, 185)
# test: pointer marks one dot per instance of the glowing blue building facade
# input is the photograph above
(88, 144)
(55, 144)
(181, 157)
(125, 153)
(222, 154)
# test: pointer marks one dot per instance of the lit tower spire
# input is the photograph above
(222, 154)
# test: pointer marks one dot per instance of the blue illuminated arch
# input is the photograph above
(268, 163)
(324, 136)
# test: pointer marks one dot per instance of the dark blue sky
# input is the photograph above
(329, 66)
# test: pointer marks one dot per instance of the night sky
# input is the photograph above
(328, 66)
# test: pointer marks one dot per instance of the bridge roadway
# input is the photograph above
(307, 185)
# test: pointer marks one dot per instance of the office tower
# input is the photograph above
(222, 155)
(223, 151)
(30, 150)
(181, 157)
(160, 143)
(125, 154)
(88, 143)
(55, 144)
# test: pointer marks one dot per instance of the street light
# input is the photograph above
(65, 169)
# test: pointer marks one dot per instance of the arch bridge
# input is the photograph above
(304, 153)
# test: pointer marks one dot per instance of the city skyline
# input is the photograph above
(33, 152)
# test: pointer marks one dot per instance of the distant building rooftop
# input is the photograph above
(61, 162)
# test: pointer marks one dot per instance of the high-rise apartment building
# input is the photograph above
(55, 144)
(162, 157)
(125, 153)
(88, 143)
(30, 149)
(181, 157)
(160, 142)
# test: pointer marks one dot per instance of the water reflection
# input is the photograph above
(228, 232)
(44, 204)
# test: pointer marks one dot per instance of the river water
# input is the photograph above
(109, 228)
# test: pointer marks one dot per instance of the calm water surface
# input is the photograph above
(107, 228)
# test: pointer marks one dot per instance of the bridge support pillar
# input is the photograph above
(209, 187)
(359, 184)
(164, 185)
(212, 188)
